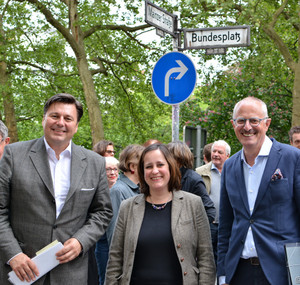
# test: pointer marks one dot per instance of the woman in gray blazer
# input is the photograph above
(162, 236)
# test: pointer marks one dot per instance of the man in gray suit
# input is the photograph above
(52, 189)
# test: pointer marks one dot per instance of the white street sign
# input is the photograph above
(160, 18)
(238, 36)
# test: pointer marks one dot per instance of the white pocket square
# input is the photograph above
(87, 189)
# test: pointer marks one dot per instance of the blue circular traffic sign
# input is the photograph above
(174, 78)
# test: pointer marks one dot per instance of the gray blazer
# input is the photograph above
(191, 235)
(27, 207)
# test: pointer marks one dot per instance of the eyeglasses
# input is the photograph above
(110, 151)
(254, 122)
(108, 170)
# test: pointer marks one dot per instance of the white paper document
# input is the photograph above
(45, 261)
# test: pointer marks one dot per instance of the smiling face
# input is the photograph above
(250, 137)
(218, 155)
(60, 124)
(156, 171)
(112, 173)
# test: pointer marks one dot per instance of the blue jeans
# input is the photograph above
(101, 253)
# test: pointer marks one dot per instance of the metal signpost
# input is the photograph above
(174, 75)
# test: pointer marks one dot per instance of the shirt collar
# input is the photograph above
(265, 148)
(50, 150)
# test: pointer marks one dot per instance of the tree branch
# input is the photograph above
(113, 28)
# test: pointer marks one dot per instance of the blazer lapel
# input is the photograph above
(176, 209)
(78, 166)
(138, 216)
(39, 158)
(240, 180)
(271, 165)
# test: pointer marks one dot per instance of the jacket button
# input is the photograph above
(185, 273)
(179, 245)
(251, 221)
(55, 226)
(181, 259)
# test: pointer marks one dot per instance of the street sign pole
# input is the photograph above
(175, 108)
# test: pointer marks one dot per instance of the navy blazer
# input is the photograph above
(275, 217)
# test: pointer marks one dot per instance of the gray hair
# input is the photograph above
(3, 131)
(111, 160)
(264, 108)
(223, 143)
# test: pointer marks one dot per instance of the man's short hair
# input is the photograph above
(293, 130)
(207, 151)
(3, 131)
(66, 99)
(224, 143)
(264, 108)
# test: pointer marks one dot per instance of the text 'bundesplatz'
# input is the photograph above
(219, 37)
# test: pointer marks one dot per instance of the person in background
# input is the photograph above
(52, 189)
(190, 180)
(150, 141)
(259, 203)
(102, 247)
(4, 138)
(127, 184)
(294, 136)
(211, 174)
(104, 148)
(162, 236)
(207, 153)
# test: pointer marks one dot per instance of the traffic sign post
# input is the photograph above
(174, 75)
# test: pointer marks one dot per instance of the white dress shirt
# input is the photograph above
(60, 172)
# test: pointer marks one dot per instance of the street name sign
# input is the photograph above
(160, 18)
(174, 78)
(235, 36)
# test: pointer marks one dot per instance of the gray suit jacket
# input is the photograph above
(191, 235)
(28, 213)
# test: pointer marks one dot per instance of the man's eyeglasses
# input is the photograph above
(254, 122)
(110, 151)
(108, 170)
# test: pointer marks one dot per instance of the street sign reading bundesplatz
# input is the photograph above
(238, 36)
(160, 18)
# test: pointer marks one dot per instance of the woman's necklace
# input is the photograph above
(158, 208)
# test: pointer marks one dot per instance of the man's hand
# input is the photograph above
(70, 251)
(24, 267)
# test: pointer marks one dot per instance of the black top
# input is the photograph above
(156, 261)
(192, 182)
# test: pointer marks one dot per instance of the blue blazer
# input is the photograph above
(275, 219)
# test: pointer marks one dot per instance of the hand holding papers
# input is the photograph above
(45, 261)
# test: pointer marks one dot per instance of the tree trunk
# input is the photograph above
(91, 100)
(296, 96)
(8, 101)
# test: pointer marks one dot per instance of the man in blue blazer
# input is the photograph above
(259, 203)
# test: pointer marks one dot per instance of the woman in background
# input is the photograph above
(102, 247)
(191, 181)
(162, 236)
(127, 184)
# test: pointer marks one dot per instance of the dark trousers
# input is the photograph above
(249, 274)
(101, 253)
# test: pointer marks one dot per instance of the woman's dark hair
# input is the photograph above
(130, 154)
(101, 146)
(175, 176)
(182, 154)
(66, 99)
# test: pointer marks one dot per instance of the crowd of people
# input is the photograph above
(149, 218)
